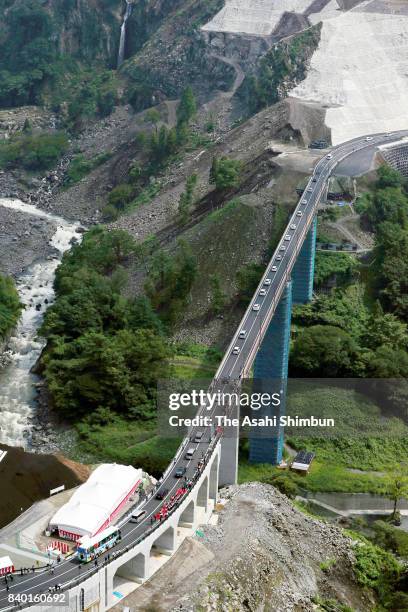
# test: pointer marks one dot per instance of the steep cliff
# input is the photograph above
(42, 41)
(84, 29)
(53, 49)
(87, 29)
(168, 51)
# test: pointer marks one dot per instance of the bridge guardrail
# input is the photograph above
(146, 534)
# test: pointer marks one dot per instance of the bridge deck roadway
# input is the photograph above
(232, 367)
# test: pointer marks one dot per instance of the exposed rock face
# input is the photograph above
(174, 56)
(263, 554)
(88, 29)
(85, 29)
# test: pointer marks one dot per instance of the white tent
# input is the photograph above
(6, 566)
(94, 505)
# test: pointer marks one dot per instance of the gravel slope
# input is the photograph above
(263, 554)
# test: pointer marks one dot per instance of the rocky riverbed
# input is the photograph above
(24, 239)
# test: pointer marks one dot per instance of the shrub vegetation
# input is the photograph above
(33, 151)
(10, 306)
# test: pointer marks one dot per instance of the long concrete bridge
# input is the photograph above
(145, 546)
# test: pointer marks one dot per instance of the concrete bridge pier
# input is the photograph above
(270, 375)
(303, 270)
(135, 569)
(228, 473)
(271, 363)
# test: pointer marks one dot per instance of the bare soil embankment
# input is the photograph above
(27, 477)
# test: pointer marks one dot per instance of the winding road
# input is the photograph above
(232, 368)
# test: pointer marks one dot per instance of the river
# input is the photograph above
(35, 287)
(365, 505)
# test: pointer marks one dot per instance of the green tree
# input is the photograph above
(388, 362)
(27, 53)
(161, 145)
(286, 483)
(388, 177)
(135, 172)
(118, 372)
(187, 107)
(388, 205)
(182, 133)
(170, 281)
(397, 489)
(324, 350)
(390, 538)
(225, 173)
(385, 330)
(10, 306)
(186, 199)
(27, 127)
(120, 196)
(141, 140)
(392, 266)
(100, 251)
(376, 568)
(153, 116)
(340, 265)
(248, 278)
(218, 298)
(142, 315)
(105, 352)
(172, 141)
(33, 151)
(110, 213)
(213, 170)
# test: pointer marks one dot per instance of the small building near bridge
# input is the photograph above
(96, 503)
(302, 462)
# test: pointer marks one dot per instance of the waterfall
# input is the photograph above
(122, 43)
(35, 288)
